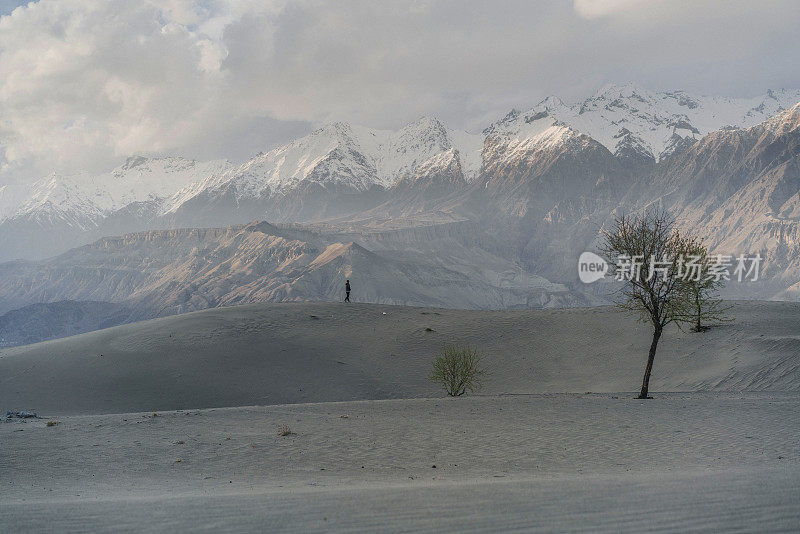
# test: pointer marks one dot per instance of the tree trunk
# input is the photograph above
(649, 368)
(698, 327)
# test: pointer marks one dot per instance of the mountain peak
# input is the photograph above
(785, 121)
(335, 128)
(426, 121)
(425, 127)
(134, 161)
(613, 90)
(550, 102)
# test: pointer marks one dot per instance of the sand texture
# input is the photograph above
(566, 462)
(175, 427)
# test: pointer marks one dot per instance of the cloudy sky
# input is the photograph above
(85, 83)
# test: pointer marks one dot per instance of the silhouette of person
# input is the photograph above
(347, 291)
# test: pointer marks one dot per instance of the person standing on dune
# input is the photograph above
(347, 291)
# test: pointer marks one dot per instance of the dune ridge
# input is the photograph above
(265, 354)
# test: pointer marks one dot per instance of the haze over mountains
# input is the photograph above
(315, 177)
(425, 215)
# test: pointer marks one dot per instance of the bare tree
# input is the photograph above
(645, 252)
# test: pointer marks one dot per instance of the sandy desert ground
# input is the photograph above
(171, 425)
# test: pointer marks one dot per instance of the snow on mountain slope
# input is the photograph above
(419, 142)
(340, 154)
(331, 154)
(629, 119)
(142, 179)
(555, 160)
(519, 133)
(74, 199)
(521, 146)
(11, 197)
(85, 196)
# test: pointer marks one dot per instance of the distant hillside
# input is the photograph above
(166, 272)
(43, 321)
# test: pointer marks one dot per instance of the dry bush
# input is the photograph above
(284, 430)
(458, 369)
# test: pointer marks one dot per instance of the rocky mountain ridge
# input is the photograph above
(341, 170)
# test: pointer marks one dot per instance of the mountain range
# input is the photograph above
(427, 214)
(341, 169)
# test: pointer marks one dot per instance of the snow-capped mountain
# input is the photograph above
(339, 155)
(60, 212)
(317, 176)
(627, 120)
(544, 179)
(140, 179)
(630, 120)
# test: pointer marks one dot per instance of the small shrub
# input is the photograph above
(458, 369)
(284, 430)
(53, 423)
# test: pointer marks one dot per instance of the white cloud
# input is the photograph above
(85, 83)
(592, 9)
(82, 84)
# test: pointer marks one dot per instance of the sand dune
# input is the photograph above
(316, 352)
(582, 463)
(525, 455)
